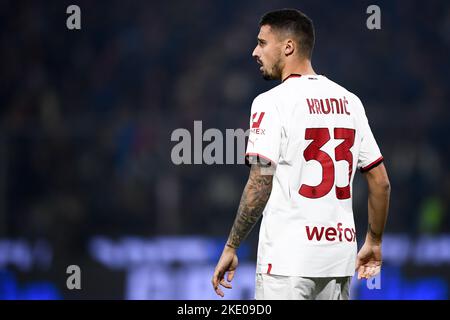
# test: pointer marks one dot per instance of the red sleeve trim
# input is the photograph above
(372, 165)
(251, 154)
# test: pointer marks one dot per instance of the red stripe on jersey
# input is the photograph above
(372, 165)
(250, 154)
(293, 75)
(269, 268)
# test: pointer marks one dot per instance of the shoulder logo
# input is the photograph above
(256, 124)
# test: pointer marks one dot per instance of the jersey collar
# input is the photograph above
(292, 75)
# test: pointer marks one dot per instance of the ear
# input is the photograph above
(289, 47)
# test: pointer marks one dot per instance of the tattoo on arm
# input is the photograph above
(253, 201)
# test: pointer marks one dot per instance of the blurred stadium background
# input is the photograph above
(86, 117)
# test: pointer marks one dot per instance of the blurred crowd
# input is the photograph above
(86, 116)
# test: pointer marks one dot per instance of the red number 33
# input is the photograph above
(319, 137)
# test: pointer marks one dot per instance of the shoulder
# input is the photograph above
(337, 86)
(270, 97)
(351, 97)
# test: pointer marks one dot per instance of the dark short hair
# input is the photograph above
(294, 22)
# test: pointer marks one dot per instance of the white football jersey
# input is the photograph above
(317, 135)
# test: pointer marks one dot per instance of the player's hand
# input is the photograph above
(228, 262)
(369, 260)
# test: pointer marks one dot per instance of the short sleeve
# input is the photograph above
(264, 140)
(369, 153)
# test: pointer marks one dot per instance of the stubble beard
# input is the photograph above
(275, 73)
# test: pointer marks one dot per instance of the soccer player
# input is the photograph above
(308, 136)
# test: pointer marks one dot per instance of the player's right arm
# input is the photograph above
(369, 258)
(370, 162)
(379, 192)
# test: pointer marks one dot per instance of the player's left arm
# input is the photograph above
(253, 201)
